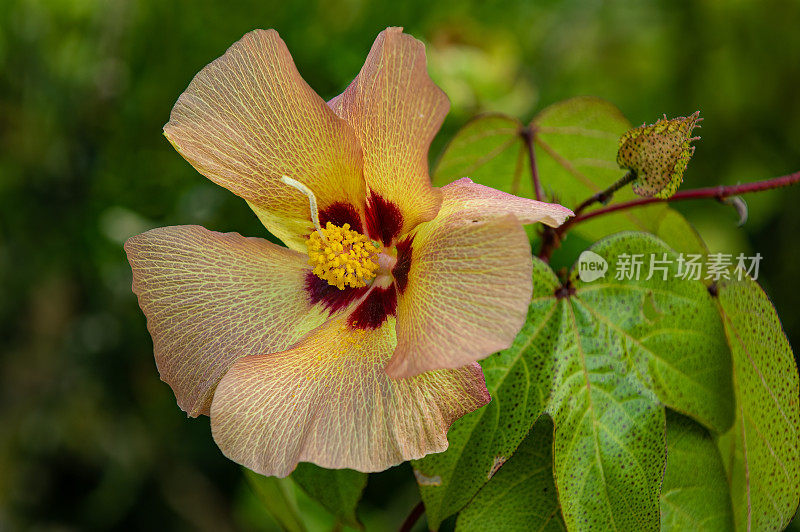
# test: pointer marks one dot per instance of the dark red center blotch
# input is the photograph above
(373, 311)
(384, 219)
(333, 299)
(403, 264)
(341, 213)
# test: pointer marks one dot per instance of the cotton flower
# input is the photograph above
(354, 346)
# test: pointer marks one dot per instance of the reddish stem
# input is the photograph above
(527, 135)
(550, 239)
(413, 517)
(606, 195)
(719, 193)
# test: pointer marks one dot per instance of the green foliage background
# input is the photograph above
(89, 436)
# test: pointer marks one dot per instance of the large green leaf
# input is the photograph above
(519, 380)
(760, 452)
(337, 490)
(522, 495)
(626, 347)
(694, 495)
(621, 349)
(490, 151)
(670, 226)
(609, 439)
(576, 154)
(277, 497)
(576, 147)
(666, 329)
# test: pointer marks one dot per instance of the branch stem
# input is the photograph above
(527, 134)
(605, 196)
(413, 517)
(718, 193)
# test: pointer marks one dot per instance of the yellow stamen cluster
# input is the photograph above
(342, 256)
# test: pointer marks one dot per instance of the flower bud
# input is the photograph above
(657, 154)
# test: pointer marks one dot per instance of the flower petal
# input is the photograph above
(465, 194)
(464, 284)
(248, 118)
(210, 298)
(328, 401)
(395, 110)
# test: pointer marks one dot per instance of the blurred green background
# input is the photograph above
(89, 436)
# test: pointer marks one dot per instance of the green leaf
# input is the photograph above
(666, 329)
(576, 145)
(671, 227)
(518, 379)
(760, 452)
(277, 497)
(577, 141)
(576, 153)
(694, 495)
(522, 495)
(626, 347)
(337, 490)
(609, 439)
(622, 348)
(490, 151)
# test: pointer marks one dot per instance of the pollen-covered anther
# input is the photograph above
(341, 256)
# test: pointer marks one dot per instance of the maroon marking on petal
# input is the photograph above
(403, 265)
(373, 311)
(333, 299)
(384, 219)
(341, 213)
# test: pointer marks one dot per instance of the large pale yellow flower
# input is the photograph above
(356, 345)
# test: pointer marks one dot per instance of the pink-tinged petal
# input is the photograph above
(210, 298)
(466, 195)
(464, 284)
(328, 401)
(248, 118)
(396, 110)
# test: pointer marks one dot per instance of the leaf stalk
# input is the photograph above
(413, 517)
(527, 134)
